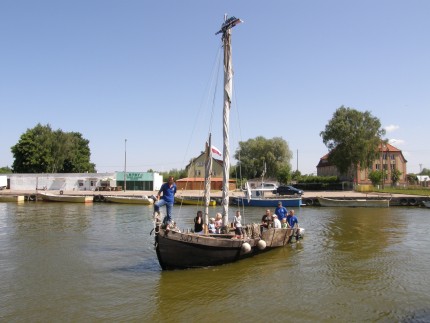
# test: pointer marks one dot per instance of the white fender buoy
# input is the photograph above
(246, 247)
(261, 244)
(302, 231)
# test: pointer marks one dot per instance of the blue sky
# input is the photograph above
(142, 71)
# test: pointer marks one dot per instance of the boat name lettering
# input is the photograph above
(186, 238)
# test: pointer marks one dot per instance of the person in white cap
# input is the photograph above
(276, 222)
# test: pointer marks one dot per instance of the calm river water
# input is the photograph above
(70, 262)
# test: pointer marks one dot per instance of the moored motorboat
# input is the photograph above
(65, 198)
(143, 199)
(192, 200)
(426, 204)
(267, 201)
(354, 202)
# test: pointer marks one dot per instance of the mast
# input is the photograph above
(208, 175)
(228, 90)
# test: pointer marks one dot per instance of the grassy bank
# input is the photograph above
(420, 191)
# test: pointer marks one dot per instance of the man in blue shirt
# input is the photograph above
(168, 198)
(281, 211)
(292, 219)
(294, 224)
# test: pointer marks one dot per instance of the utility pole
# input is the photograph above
(125, 165)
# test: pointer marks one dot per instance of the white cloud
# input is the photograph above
(391, 128)
(396, 142)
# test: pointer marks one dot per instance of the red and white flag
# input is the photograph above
(215, 150)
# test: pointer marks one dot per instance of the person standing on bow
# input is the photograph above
(168, 198)
(281, 211)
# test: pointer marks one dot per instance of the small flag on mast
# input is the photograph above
(215, 150)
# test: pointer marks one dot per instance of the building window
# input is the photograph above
(392, 157)
(377, 167)
(393, 166)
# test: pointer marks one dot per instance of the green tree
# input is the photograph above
(42, 150)
(295, 175)
(425, 171)
(376, 177)
(284, 174)
(395, 176)
(260, 155)
(5, 170)
(353, 138)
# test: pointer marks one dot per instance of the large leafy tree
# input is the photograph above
(353, 138)
(42, 150)
(261, 156)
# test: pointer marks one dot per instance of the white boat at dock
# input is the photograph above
(354, 202)
(142, 199)
(65, 198)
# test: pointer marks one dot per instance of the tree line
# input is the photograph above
(352, 138)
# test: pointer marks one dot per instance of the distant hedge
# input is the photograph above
(321, 183)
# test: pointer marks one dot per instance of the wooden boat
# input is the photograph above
(65, 198)
(12, 198)
(179, 250)
(192, 200)
(354, 202)
(130, 199)
(426, 203)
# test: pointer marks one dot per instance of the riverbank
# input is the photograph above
(309, 198)
(196, 193)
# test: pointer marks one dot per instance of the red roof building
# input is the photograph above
(390, 159)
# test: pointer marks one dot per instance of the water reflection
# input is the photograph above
(98, 263)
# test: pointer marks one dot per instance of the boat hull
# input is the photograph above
(12, 198)
(176, 250)
(353, 202)
(129, 200)
(65, 198)
(192, 201)
(426, 204)
(268, 202)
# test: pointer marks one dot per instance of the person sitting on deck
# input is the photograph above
(284, 223)
(218, 222)
(211, 226)
(198, 223)
(276, 222)
(266, 220)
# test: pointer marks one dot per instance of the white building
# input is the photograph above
(85, 181)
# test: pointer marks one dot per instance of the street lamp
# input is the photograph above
(125, 165)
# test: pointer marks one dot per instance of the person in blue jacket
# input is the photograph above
(168, 198)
